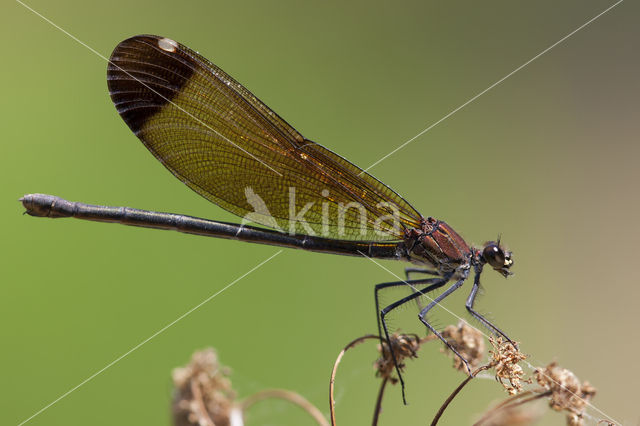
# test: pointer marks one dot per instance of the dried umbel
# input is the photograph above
(403, 346)
(567, 393)
(203, 394)
(468, 341)
(504, 359)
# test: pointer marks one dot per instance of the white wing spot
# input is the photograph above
(167, 44)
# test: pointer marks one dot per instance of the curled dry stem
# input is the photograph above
(455, 392)
(286, 395)
(335, 370)
(509, 411)
(203, 395)
(402, 345)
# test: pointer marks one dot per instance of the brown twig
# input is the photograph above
(512, 402)
(455, 392)
(428, 338)
(378, 408)
(335, 369)
(286, 395)
(502, 404)
(531, 398)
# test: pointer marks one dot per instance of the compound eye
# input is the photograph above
(494, 256)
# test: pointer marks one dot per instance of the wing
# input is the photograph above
(220, 140)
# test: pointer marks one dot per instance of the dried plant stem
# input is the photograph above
(387, 377)
(501, 405)
(287, 395)
(532, 398)
(378, 408)
(456, 392)
(511, 402)
(428, 338)
(335, 370)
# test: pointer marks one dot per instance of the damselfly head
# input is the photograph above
(497, 257)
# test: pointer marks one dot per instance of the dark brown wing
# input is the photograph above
(220, 140)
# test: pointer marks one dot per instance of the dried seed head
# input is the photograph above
(505, 358)
(566, 391)
(203, 394)
(403, 346)
(469, 343)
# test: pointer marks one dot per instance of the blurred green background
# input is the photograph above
(549, 158)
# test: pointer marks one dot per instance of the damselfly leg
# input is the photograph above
(469, 305)
(431, 283)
